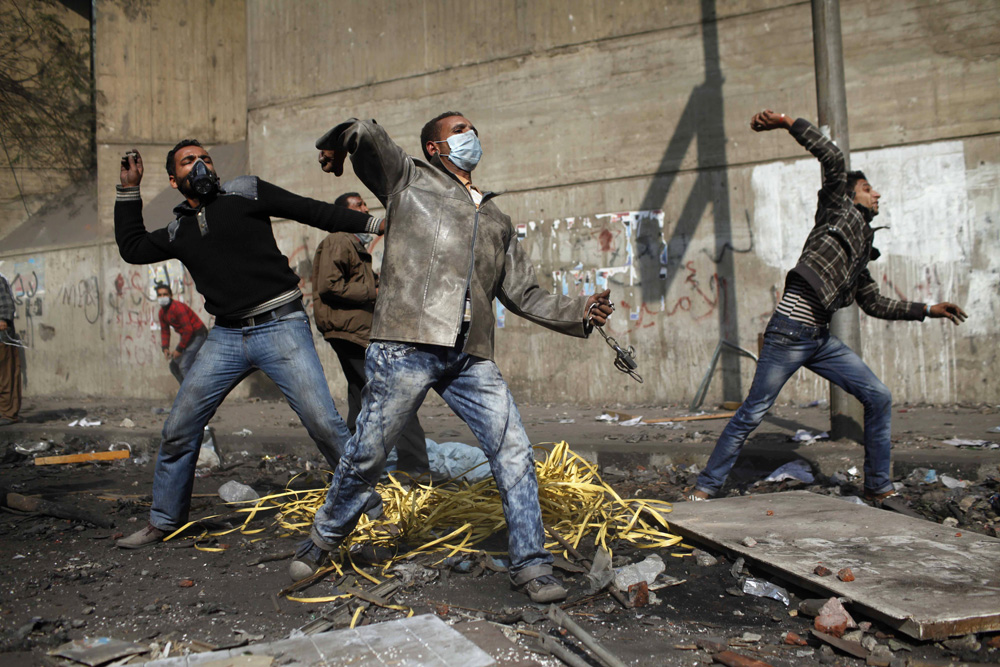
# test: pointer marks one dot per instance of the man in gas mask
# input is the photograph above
(344, 290)
(449, 252)
(223, 236)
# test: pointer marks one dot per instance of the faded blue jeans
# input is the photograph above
(788, 346)
(399, 377)
(283, 349)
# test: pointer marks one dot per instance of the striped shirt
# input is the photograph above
(800, 303)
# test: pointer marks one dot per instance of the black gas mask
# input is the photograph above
(201, 182)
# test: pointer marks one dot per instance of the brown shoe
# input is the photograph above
(142, 538)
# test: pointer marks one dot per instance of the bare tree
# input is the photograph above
(46, 103)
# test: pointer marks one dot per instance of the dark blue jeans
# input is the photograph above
(788, 346)
(284, 351)
(399, 377)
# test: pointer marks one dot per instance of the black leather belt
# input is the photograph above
(266, 316)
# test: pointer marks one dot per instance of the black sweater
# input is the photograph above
(236, 263)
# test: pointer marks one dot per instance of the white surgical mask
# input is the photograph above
(465, 150)
(164, 301)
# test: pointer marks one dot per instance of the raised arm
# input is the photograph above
(135, 244)
(281, 203)
(831, 158)
(382, 166)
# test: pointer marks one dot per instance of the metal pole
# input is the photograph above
(846, 413)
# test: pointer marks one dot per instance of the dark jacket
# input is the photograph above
(834, 259)
(439, 246)
(228, 245)
(343, 288)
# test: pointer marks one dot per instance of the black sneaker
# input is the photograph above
(309, 558)
(544, 589)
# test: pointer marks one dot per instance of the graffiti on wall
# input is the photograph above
(624, 251)
(27, 283)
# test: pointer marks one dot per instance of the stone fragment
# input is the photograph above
(845, 574)
(704, 559)
(822, 571)
(748, 542)
(833, 619)
(185, 583)
(994, 642)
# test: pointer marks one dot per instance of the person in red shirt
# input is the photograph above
(189, 327)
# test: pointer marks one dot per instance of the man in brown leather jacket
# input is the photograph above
(449, 252)
(344, 290)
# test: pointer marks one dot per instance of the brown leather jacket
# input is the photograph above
(343, 288)
(439, 246)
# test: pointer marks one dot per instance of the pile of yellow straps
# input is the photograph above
(452, 518)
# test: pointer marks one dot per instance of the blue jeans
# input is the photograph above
(789, 345)
(283, 349)
(399, 377)
(181, 366)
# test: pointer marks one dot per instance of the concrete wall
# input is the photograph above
(619, 133)
(166, 71)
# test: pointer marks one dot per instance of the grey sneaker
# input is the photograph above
(309, 558)
(142, 538)
(544, 589)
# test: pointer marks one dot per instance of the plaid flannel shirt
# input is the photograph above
(182, 318)
(834, 259)
(6, 301)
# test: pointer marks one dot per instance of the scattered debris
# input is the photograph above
(760, 588)
(127, 423)
(97, 650)
(807, 437)
(58, 510)
(235, 492)
(644, 571)
(83, 422)
(845, 574)
(798, 469)
(822, 571)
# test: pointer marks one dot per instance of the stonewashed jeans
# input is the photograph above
(283, 349)
(399, 377)
(789, 345)
(181, 366)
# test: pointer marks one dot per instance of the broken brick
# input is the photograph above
(638, 594)
(822, 571)
(185, 583)
(793, 639)
(833, 619)
(846, 574)
(994, 642)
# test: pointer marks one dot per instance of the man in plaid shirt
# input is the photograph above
(10, 358)
(830, 274)
(188, 326)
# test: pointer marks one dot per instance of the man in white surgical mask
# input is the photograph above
(188, 326)
(449, 253)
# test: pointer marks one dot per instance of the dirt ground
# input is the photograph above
(64, 580)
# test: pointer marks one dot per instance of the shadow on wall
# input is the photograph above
(702, 121)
